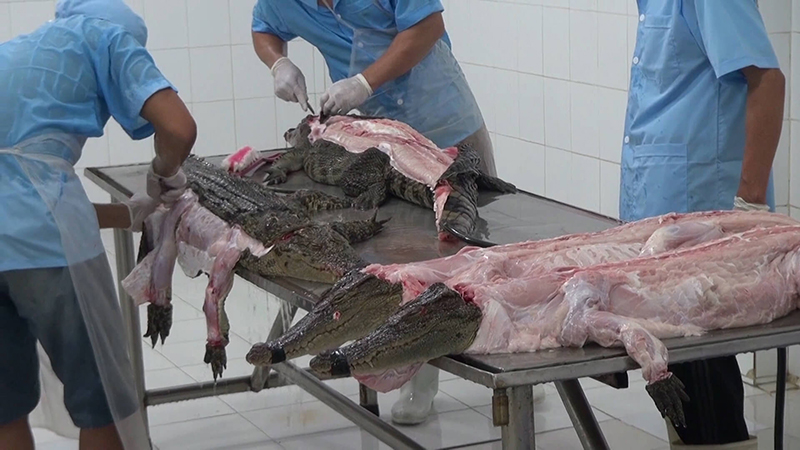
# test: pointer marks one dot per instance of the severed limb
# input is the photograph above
(220, 282)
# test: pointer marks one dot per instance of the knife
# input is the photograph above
(308, 105)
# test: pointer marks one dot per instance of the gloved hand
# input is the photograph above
(740, 205)
(165, 189)
(140, 206)
(345, 95)
(290, 83)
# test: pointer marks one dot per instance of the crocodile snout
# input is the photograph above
(330, 364)
(265, 354)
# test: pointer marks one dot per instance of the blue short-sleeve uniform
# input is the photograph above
(685, 123)
(69, 76)
(316, 24)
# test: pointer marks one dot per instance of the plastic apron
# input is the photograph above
(423, 97)
(59, 187)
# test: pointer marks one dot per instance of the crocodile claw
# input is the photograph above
(668, 395)
(275, 176)
(216, 356)
(159, 322)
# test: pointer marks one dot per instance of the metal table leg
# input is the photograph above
(282, 323)
(368, 399)
(581, 415)
(123, 250)
(512, 409)
(344, 406)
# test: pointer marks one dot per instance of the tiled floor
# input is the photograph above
(288, 418)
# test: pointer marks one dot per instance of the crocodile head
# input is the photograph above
(437, 323)
(298, 137)
(313, 253)
(350, 309)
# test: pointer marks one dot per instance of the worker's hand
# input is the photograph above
(290, 83)
(740, 205)
(345, 95)
(165, 188)
(140, 206)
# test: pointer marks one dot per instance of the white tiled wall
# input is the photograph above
(206, 52)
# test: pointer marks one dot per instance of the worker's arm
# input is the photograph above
(766, 90)
(175, 130)
(113, 215)
(407, 49)
(268, 47)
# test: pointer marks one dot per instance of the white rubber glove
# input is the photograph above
(740, 205)
(345, 95)
(140, 206)
(165, 189)
(290, 83)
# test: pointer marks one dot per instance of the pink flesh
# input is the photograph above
(240, 159)
(440, 195)
(411, 153)
(209, 244)
(517, 286)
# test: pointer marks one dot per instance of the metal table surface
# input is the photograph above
(505, 219)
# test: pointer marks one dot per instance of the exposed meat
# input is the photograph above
(513, 283)
(225, 222)
(740, 280)
(372, 158)
(646, 237)
(411, 153)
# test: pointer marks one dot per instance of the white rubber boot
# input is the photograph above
(538, 393)
(416, 397)
(675, 442)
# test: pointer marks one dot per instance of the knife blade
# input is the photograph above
(308, 105)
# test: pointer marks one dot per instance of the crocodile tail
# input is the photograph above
(490, 183)
(360, 230)
(461, 209)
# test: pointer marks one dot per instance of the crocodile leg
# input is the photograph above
(320, 201)
(289, 162)
(359, 230)
(220, 282)
(373, 197)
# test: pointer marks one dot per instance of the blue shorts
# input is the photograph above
(42, 304)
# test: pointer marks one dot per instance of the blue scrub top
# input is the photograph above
(685, 125)
(289, 19)
(69, 76)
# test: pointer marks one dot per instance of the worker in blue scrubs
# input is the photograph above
(387, 58)
(704, 117)
(59, 85)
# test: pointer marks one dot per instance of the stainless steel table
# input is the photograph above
(505, 219)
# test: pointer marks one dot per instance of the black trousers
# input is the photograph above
(715, 411)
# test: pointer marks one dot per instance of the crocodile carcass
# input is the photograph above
(740, 280)
(364, 299)
(373, 158)
(225, 222)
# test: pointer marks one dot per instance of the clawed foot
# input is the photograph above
(668, 395)
(275, 176)
(216, 356)
(159, 322)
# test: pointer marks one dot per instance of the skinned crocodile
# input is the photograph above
(370, 179)
(224, 223)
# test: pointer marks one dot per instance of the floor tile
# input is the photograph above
(617, 434)
(154, 360)
(157, 379)
(182, 330)
(192, 353)
(229, 432)
(43, 436)
(549, 415)
(619, 403)
(453, 429)
(345, 439)
(58, 445)
(467, 392)
(187, 410)
(494, 445)
(297, 419)
(766, 440)
(760, 409)
(235, 368)
(442, 403)
(284, 395)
